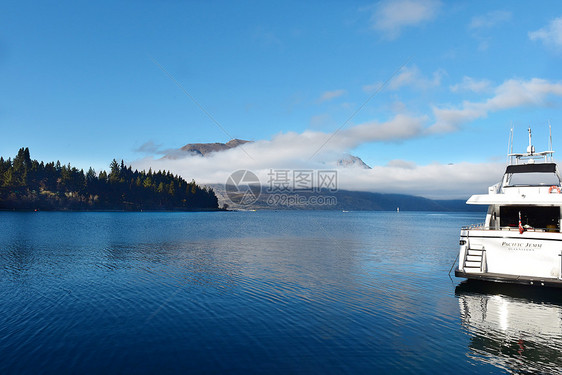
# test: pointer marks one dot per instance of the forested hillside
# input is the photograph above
(30, 184)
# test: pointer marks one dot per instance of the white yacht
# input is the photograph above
(520, 241)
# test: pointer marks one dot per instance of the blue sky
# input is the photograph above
(84, 82)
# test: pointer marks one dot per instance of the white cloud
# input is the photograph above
(294, 150)
(471, 84)
(489, 20)
(399, 176)
(409, 77)
(414, 78)
(510, 94)
(403, 164)
(401, 127)
(437, 181)
(286, 151)
(390, 17)
(329, 95)
(320, 150)
(550, 35)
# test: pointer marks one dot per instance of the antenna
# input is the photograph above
(530, 149)
(510, 145)
(550, 139)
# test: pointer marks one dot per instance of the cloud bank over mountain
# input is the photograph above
(320, 150)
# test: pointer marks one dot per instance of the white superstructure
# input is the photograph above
(520, 241)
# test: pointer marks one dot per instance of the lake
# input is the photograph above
(259, 292)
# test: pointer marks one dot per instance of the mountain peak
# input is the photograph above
(350, 161)
(206, 148)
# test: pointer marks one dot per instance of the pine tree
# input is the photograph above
(66, 187)
(114, 172)
(90, 176)
(160, 188)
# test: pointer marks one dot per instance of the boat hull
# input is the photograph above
(512, 279)
(531, 258)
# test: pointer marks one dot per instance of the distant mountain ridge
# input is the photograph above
(206, 148)
(352, 161)
(203, 149)
(347, 200)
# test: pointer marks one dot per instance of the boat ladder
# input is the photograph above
(474, 260)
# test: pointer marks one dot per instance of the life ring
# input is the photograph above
(554, 187)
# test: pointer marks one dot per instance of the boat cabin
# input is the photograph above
(532, 217)
(528, 194)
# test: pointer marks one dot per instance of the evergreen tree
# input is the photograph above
(114, 171)
(28, 184)
(91, 176)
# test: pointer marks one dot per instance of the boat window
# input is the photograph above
(533, 216)
(534, 179)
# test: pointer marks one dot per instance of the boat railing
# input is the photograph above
(474, 226)
(528, 229)
(482, 226)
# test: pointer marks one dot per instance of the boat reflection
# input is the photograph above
(516, 328)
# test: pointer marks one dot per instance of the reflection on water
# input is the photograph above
(238, 292)
(517, 328)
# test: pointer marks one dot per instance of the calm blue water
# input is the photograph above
(258, 292)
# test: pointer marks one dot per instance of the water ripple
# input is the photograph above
(267, 292)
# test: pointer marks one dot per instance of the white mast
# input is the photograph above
(550, 139)
(530, 149)
(510, 146)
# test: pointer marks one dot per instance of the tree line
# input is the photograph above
(29, 184)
